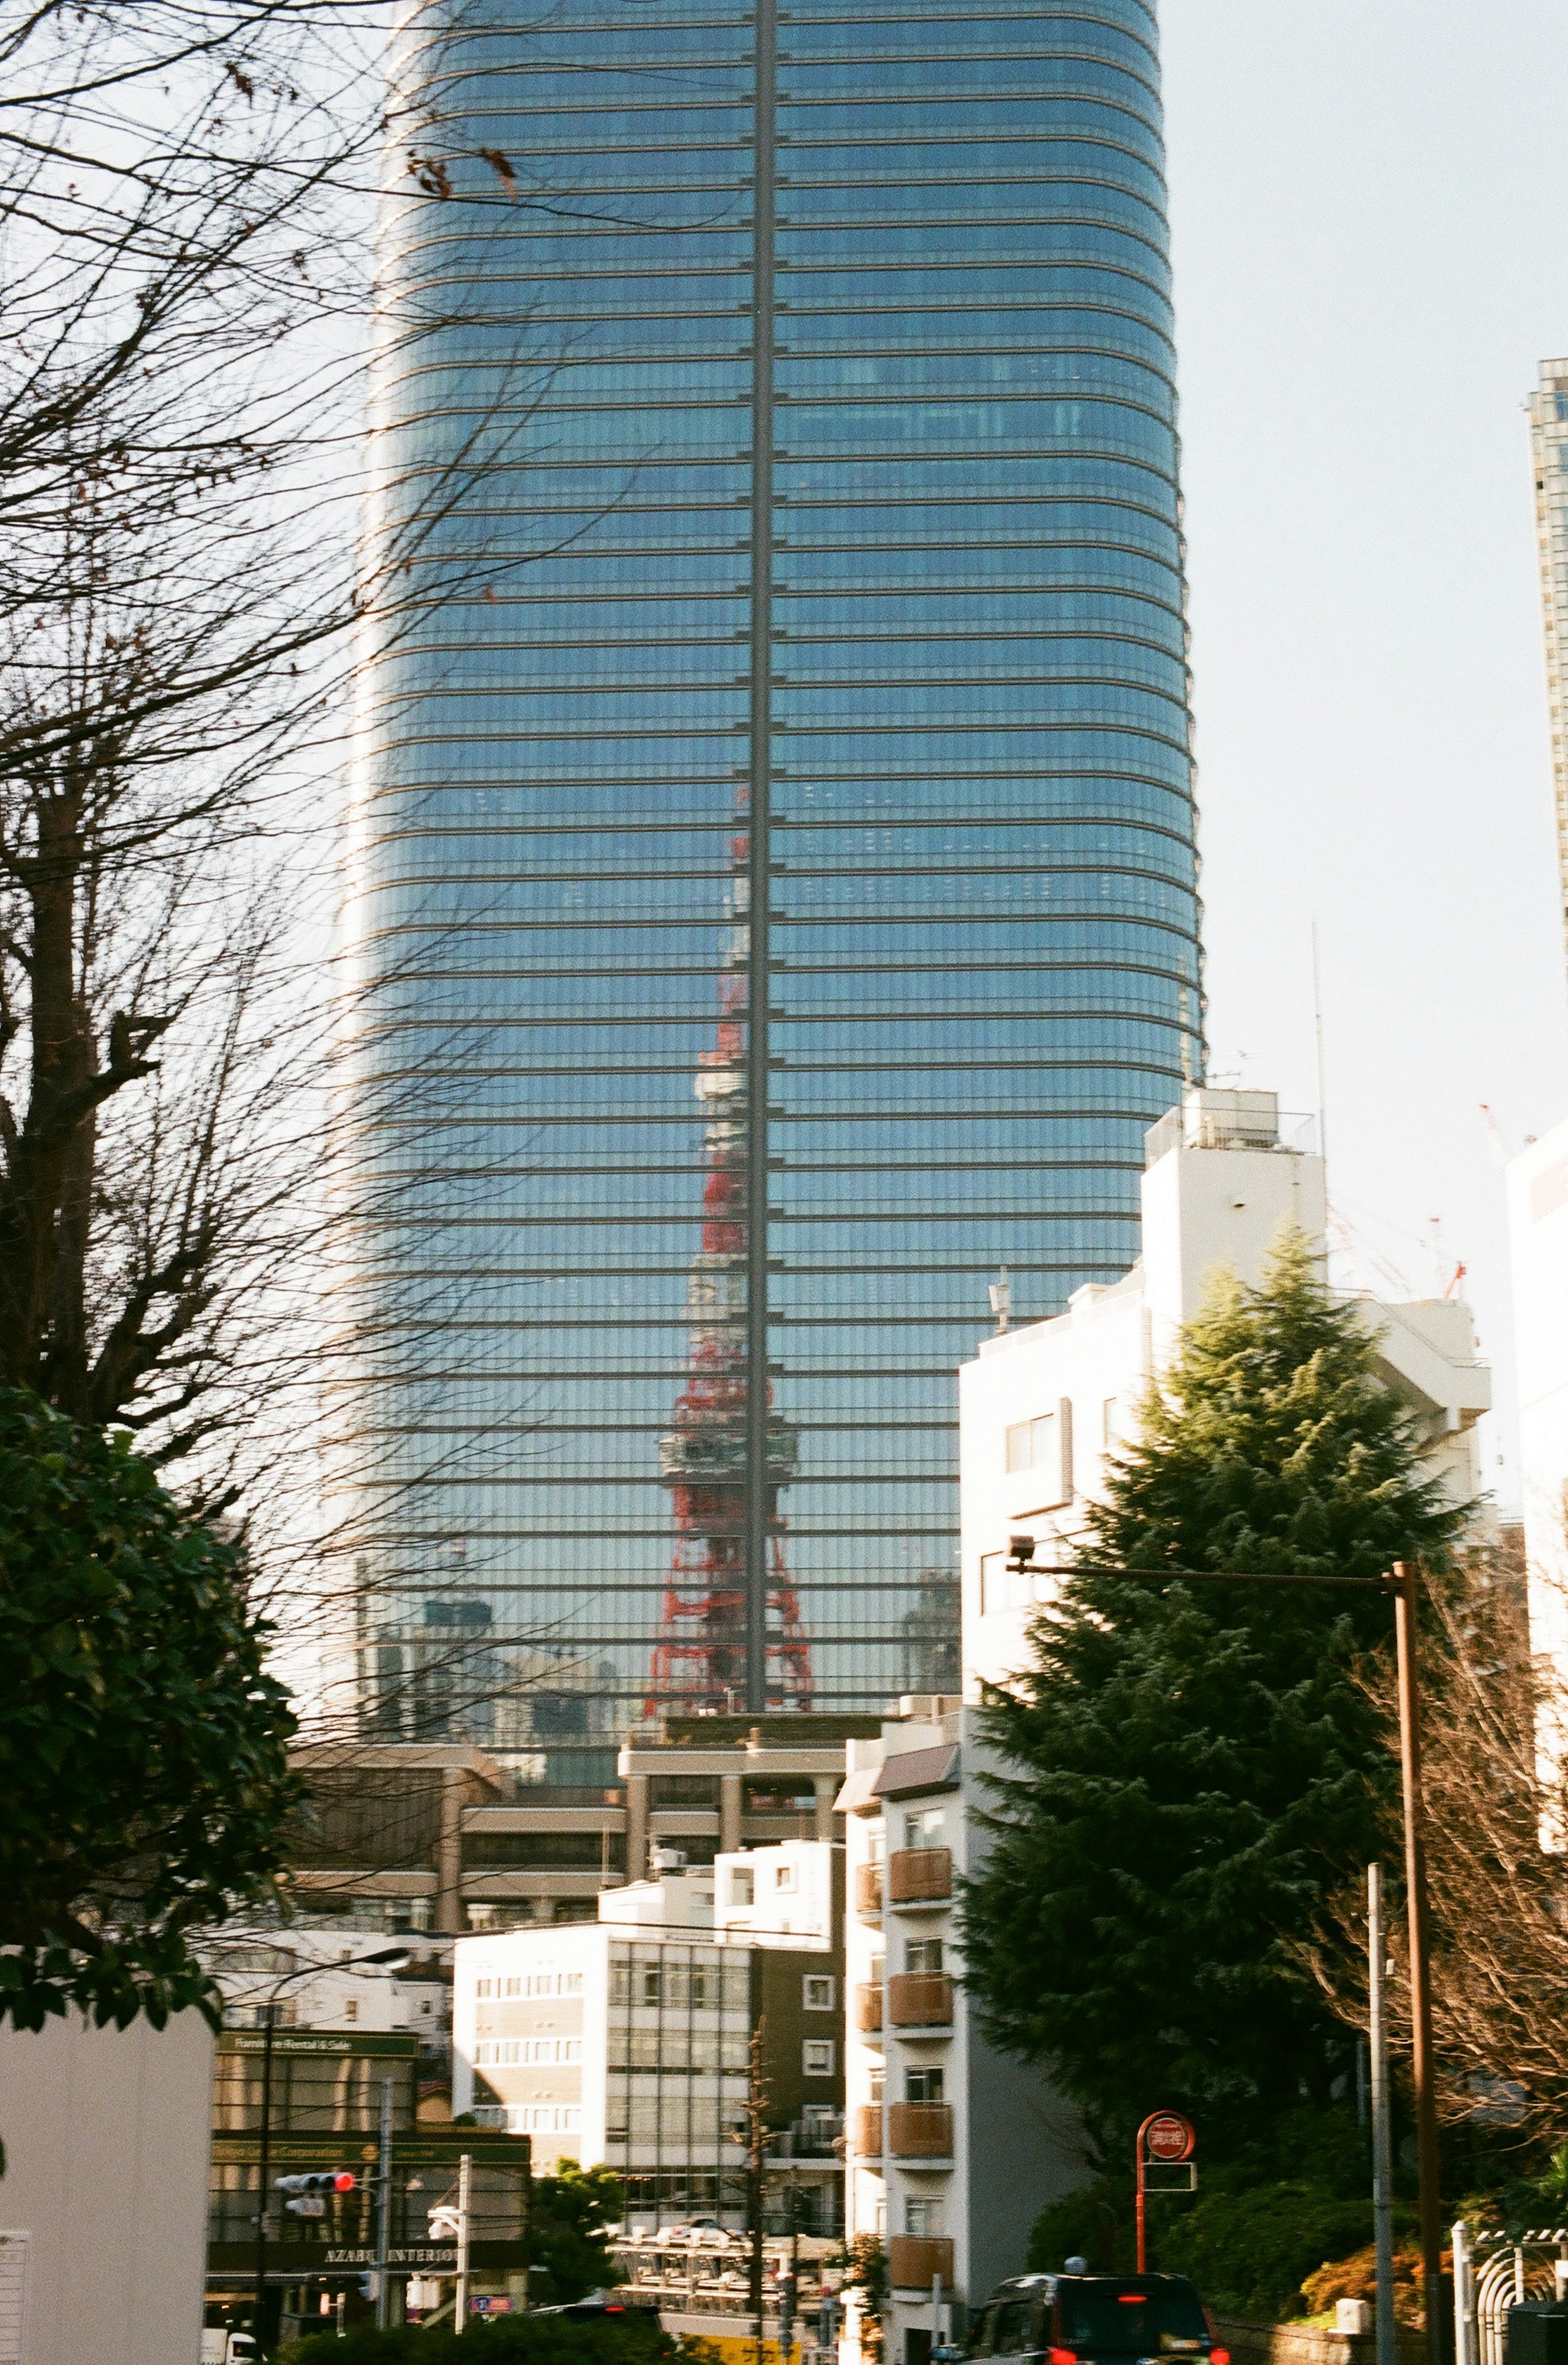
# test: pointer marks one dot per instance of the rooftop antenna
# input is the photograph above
(1001, 1300)
(1318, 1030)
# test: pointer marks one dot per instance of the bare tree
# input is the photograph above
(1498, 1898)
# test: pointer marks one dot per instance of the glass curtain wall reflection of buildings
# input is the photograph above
(773, 871)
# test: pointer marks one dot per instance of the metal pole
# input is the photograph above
(1420, 1970)
(465, 2184)
(1142, 2222)
(935, 2315)
(1382, 2144)
(265, 2159)
(1464, 2343)
(383, 2206)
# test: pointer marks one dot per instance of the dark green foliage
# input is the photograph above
(568, 2252)
(1195, 1766)
(1259, 2226)
(634, 2338)
(144, 1749)
(1094, 2223)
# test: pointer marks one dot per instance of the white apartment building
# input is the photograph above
(1538, 1235)
(627, 2040)
(952, 2149)
(1548, 412)
(1042, 1408)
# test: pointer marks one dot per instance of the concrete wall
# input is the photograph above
(106, 2135)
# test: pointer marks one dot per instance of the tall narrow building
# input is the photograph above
(1548, 409)
(773, 886)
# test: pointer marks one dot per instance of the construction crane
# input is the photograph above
(700, 1661)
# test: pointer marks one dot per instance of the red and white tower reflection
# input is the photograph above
(699, 1662)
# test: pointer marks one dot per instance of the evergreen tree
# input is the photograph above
(1193, 1765)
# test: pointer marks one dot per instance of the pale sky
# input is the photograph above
(1370, 209)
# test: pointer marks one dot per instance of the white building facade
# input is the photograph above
(627, 2041)
(951, 2149)
(1538, 1236)
(1041, 1409)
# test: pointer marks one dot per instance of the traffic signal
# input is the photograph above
(311, 2192)
(786, 2313)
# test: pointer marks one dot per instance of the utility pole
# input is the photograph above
(1382, 2143)
(464, 2188)
(754, 2135)
(383, 2204)
(1420, 1966)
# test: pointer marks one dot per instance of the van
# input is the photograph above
(1082, 2319)
(221, 2347)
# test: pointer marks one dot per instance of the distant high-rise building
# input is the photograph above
(774, 892)
(1548, 409)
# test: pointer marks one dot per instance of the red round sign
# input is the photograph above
(1169, 2137)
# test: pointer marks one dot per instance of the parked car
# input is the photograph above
(589, 2311)
(1084, 2319)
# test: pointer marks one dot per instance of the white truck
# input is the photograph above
(219, 2346)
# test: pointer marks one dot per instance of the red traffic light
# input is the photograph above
(343, 2181)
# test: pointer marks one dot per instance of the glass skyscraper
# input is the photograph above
(773, 882)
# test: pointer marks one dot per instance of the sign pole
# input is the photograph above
(1170, 2139)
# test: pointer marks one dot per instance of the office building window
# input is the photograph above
(1031, 1443)
(923, 2085)
(818, 1991)
(818, 2056)
(922, 1955)
(921, 2217)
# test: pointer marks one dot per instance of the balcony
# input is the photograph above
(922, 2131)
(919, 1876)
(867, 2130)
(867, 2009)
(919, 2000)
(915, 2259)
(868, 1888)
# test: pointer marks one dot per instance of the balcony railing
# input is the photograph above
(869, 2010)
(919, 2000)
(916, 1875)
(915, 2259)
(920, 2130)
(868, 1888)
(867, 2129)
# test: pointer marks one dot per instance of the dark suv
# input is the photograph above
(1085, 2319)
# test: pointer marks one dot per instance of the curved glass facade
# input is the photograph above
(774, 863)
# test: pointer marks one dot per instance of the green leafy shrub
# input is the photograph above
(635, 2338)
